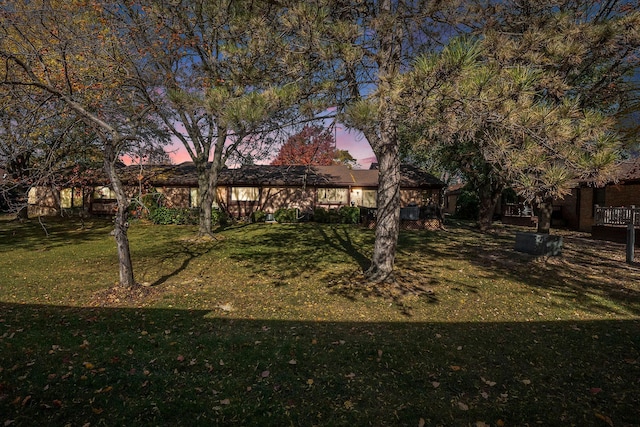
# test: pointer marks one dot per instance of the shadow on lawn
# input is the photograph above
(64, 365)
(587, 272)
(299, 250)
(188, 250)
(52, 232)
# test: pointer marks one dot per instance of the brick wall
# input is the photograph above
(623, 195)
(586, 209)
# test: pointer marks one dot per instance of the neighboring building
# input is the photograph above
(576, 211)
(244, 190)
(451, 195)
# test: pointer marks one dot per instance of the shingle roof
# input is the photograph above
(629, 171)
(185, 174)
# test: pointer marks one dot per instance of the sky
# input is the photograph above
(352, 141)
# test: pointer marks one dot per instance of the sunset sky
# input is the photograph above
(352, 141)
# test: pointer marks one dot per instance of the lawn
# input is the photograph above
(271, 325)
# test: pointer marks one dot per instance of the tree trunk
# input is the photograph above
(489, 196)
(383, 137)
(545, 208)
(121, 224)
(204, 223)
(208, 184)
(388, 214)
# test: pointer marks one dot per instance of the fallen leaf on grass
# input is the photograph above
(435, 384)
(605, 419)
(526, 382)
(180, 358)
(225, 402)
(481, 424)
(421, 422)
(463, 406)
(595, 390)
(265, 374)
(487, 382)
(348, 404)
(293, 362)
(455, 367)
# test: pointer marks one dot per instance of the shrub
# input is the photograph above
(286, 215)
(219, 217)
(320, 215)
(349, 215)
(467, 205)
(258, 216)
(165, 216)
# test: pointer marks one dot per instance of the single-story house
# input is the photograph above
(243, 190)
(577, 210)
(582, 209)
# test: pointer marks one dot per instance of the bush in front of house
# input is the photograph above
(286, 215)
(349, 214)
(344, 215)
(174, 216)
(467, 205)
(320, 215)
(219, 217)
(326, 216)
(258, 216)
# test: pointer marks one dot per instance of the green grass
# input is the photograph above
(269, 325)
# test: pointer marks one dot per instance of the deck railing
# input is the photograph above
(617, 215)
(517, 209)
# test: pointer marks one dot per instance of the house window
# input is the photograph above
(104, 193)
(369, 198)
(245, 194)
(194, 198)
(333, 195)
(33, 196)
(71, 198)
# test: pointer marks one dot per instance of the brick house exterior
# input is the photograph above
(243, 190)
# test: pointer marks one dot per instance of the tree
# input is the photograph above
(583, 55)
(567, 62)
(215, 78)
(343, 157)
(313, 145)
(372, 45)
(67, 50)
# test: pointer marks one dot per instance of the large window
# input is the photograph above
(71, 198)
(245, 194)
(369, 198)
(194, 198)
(104, 193)
(333, 195)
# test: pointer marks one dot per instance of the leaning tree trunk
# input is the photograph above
(121, 224)
(545, 208)
(388, 214)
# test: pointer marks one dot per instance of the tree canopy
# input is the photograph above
(313, 145)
